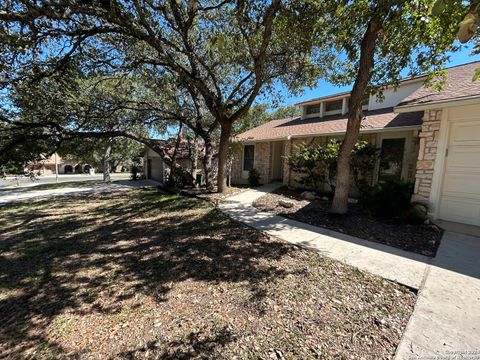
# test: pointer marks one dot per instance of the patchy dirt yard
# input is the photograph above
(419, 238)
(213, 196)
(137, 274)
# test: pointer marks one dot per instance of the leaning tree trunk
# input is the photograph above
(226, 130)
(173, 169)
(207, 163)
(195, 161)
(106, 162)
(355, 114)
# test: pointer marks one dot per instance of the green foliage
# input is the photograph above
(254, 177)
(12, 168)
(256, 116)
(476, 76)
(286, 111)
(390, 199)
(259, 114)
(136, 169)
(363, 161)
(319, 162)
(413, 37)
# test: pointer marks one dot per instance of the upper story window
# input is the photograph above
(365, 99)
(334, 106)
(313, 109)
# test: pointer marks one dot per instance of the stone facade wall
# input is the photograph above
(427, 154)
(263, 158)
(263, 161)
(286, 169)
(237, 164)
(411, 159)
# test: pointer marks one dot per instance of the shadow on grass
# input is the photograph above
(51, 186)
(64, 254)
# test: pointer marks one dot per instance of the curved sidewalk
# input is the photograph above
(445, 323)
(391, 263)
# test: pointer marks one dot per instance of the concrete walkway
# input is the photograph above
(446, 318)
(388, 262)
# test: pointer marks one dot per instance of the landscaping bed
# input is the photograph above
(420, 238)
(139, 274)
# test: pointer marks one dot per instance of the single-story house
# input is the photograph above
(156, 169)
(46, 166)
(426, 136)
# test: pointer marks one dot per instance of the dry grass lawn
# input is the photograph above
(137, 274)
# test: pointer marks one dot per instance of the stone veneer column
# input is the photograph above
(427, 153)
(286, 168)
(262, 161)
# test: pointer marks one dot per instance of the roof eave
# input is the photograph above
(323, 98)
(347, 93)
(298, 136)
(437, 104)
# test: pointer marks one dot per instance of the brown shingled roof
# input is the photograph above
(375, 119)
(184, 149)
(459, 85)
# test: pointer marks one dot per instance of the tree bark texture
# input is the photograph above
(106, 162)
(226, 130)
(355, 114)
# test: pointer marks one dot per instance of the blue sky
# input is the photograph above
(325, 88)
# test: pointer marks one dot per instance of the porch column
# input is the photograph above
(322, 109)
(344, 105)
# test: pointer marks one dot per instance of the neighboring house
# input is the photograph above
(46, 166)
(427, 136)
(156, 169)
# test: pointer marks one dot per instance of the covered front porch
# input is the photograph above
(398, 156)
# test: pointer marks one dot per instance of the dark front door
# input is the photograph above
(391, 158)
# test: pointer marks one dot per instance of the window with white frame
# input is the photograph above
(365, 100)
(334, 107)
(312, 109)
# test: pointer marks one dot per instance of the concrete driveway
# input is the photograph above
(75, 188)
(23, 181)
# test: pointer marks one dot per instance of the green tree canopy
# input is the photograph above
(374, 43)
(228, 51)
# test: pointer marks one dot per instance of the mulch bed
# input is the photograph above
(420, 238)
(141, 275)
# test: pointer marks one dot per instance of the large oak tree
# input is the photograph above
(228, 51)
(375, 43)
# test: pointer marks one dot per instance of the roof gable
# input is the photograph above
(459, 85)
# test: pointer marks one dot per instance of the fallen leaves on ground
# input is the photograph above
(138, 274)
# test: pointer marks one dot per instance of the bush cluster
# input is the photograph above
(391, 199)
(318, 163)
(254, 177)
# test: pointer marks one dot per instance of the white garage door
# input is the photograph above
(156, 172)
(460, 198)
